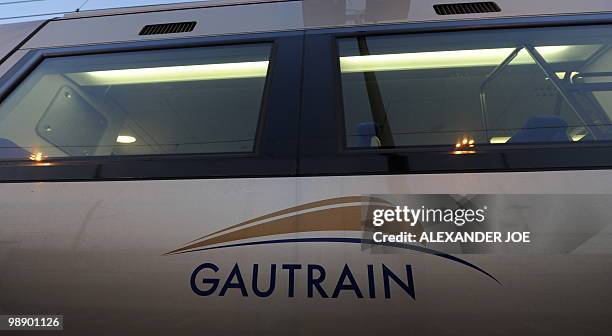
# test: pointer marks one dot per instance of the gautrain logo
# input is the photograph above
(330, 221)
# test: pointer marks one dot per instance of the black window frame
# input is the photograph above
(276, 144)
(323, 148)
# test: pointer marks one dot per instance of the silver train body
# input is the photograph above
(188, 239)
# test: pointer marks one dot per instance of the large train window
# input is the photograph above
(175, 101)
(467, 89)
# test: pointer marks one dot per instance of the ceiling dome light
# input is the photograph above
(126, 139)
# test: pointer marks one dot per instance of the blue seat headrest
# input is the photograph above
(10, 150)
(542, 129)
(365, 132)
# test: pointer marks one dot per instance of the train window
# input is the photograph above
(467, 89)
(175, 101)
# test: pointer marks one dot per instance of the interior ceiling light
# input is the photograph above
(125, 139)
(450, 59)
(561, 75)
(172, 74)
(499, 140)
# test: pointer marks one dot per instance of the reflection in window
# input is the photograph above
(465, 89)
(192, 100)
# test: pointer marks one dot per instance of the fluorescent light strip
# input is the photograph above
(501, 140)
(386, 62)
(440, 59)
(172, 74)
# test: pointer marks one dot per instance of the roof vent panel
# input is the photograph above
(466, 8)
(168, 28)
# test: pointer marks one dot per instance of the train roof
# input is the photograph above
(228, 17)
(350, 12)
